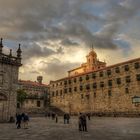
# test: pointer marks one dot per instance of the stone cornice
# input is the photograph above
(10, 60)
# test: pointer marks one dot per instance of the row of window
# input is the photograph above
(110, 93)
(101, 74)
(94, 85)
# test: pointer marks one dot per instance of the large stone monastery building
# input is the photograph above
(9, 68)
(97, 88)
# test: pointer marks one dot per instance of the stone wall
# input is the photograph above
(101, 91)
(9, 77)
(9, 68)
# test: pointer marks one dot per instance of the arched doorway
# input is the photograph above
(3, 100)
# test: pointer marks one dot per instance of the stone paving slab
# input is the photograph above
(98, 129)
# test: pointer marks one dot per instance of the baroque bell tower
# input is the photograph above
(92, 60)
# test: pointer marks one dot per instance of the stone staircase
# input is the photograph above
(55, 110)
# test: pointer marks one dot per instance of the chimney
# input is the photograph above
(39, 79)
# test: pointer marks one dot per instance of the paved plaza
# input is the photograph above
(98, 129)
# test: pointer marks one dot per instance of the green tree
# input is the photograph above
(21, 96)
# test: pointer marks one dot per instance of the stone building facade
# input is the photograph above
(37, 95)
(104, 89)
(9, 69)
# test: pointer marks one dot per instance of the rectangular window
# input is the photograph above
(65, 83)
(88, 87)
(108, 72)
(82, 96)
(138, 77)
(69, 81)
(94, 75)
(69, 89)
(127, 79)
(117, 70)
(101, 84)
(118, 81)
(126, 67)
(81, 88)
(126, 90)
(38, 103)
(137, 65)
(57, 93)
(53, 94)
(80, 79)
(87, 77)
(75, 88)
(101, 74)
(94, 85)
(110, 83)
(109, 93)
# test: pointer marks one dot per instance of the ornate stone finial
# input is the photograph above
(10, 54)
(1, 45)
(19, 52)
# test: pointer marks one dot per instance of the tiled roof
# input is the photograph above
(28, 82)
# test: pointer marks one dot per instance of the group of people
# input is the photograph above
(83, 121)
(22, 119)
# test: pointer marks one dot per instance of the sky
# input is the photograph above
(56, 35)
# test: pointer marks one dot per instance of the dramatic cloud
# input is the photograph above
(53, 29)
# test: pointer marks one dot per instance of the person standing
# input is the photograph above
(67, 117)
(88, 115)
(84, 123)
(26, 120)
(18, 121)
(56, 118)
(80, 122)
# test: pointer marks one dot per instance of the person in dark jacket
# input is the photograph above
(65, 117)
(80, 122)
(84, 123)
(18, 121)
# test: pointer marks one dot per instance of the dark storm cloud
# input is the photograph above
(40, 20)
(56, 68)
(36, 51)
(118, 15)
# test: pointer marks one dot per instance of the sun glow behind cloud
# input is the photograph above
(56, 35)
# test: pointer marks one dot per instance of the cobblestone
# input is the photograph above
(98, 129)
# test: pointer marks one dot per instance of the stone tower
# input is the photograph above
(9, 69)
(92, 60)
